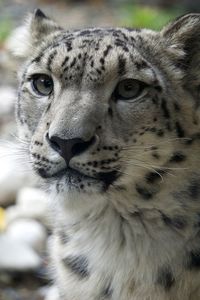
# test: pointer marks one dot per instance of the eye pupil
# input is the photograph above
(42, 84)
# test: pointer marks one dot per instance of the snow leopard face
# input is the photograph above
(108, 109)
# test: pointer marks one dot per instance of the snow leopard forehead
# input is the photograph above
(94, 55)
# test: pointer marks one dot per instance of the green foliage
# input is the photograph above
(5, 29)
(146, 17)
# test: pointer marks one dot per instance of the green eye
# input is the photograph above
(128, 89)
(42, 84)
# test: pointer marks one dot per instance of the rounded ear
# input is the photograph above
(182, 38)
(183, 29)
(27, 37)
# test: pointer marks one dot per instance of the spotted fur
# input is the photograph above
(126, 210)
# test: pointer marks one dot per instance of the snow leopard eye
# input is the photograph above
(128, 89)
(42, 84)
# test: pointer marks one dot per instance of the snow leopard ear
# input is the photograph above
(182, 40)
(182, 30)
(26, 38)
(182, 36)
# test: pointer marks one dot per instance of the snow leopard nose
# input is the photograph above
(70, 147)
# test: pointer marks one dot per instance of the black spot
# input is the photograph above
(42, 172)
(194, 260)
(178, 222)
(50, 59)
(152, 177)
(65, 61)
(144, 192)
(73, 62)
(179, 130)
(158, 88)
(160, 132)
(176, 107)
(95, 163)
(98, 71)
(102, 60)
(68, 45)
(108, 48)
(65, 69)
(156, 155)
(141, 65)
(63, 237)
(121, 65)
(165, 278)
(110, 111)
(165, 110)
(38, 58)
(177, 157)
(48, 107)
(194, 189)
(107, 292)
(78, 265)
(108, 178)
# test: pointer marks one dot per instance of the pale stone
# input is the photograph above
(7, 100)
(17, 256)
(51, 293)
(13, 175)
(29, 232)
(30, 203)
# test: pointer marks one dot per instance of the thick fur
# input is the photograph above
(135, 235)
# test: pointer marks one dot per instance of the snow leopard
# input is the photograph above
(111, 119)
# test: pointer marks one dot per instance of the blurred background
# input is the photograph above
(25, 231)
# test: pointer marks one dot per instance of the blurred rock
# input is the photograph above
(13, 175)
(30, 203)
(7, 100)
(29, 232)
(51, 293)
(16, 255)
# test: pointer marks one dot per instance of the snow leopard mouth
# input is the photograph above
(75, 177)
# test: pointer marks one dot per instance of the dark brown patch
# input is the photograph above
(107, 292)
(121, 65)
(143, 192)
(178, 222)
(194, 260)
(152, 177)
(179, 130)
(165, 278)
(165, 109)
(177, 157)
(77, 265)
(194, 189)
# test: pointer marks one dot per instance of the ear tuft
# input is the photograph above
(37, 29)
(39, 14)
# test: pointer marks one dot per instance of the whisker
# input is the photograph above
(148, 146)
